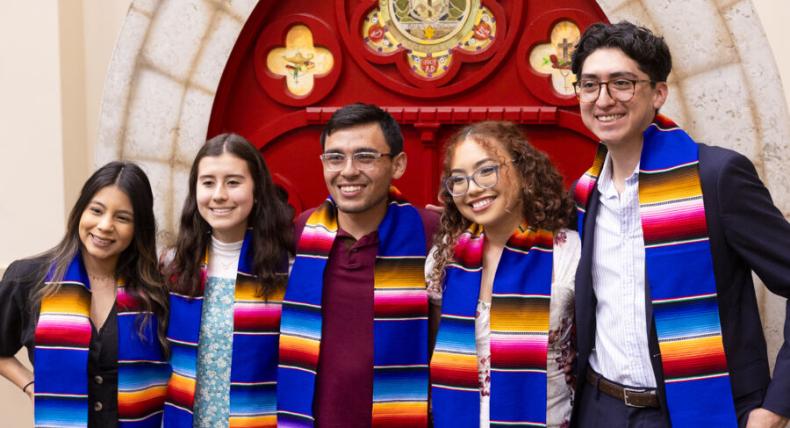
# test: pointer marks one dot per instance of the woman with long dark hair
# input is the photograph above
(92, 311)
(227, 278)
(502, 269)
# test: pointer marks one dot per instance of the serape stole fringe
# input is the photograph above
(519, 332)
(253, 375)
(680, 273)
(400, 326)
(63, 336)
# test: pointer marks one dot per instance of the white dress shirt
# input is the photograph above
(621, 351)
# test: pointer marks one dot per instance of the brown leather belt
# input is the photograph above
(632, 397)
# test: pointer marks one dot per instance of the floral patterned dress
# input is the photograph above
(212, 395)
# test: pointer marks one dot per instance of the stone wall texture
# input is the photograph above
(724, 89)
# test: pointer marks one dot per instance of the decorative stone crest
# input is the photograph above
(430, 31)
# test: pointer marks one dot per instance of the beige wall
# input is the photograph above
(53, 59)
(775, 14)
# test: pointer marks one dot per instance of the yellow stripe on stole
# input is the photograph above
(181, 383)
(400, 273)
(300, 344)
(683, 349)
(402, 409)
(454, 362)
(520, 315)
(682, 183)
(253, 421)
(142, 394)
(323, 216)
(70, 299)
(247, 290)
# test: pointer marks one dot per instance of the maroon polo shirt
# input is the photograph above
(344, 385)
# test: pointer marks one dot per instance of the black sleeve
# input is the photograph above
(753, 226)
(760, 234)
(16, 329)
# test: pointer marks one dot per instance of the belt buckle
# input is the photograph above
(627, 400)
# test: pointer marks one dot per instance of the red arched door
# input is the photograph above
(434, 64)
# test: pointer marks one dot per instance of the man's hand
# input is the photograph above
(764, 418)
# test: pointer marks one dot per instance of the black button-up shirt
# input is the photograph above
(18, 328)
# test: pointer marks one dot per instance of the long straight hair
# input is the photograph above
(270, 221)
(137, 264)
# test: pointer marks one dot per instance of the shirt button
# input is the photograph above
(98, 379)
(97, 406)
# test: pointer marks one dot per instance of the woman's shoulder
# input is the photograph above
(25, 270)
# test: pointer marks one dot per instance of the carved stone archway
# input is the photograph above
(725, 89)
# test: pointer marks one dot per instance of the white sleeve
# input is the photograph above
(434, 294)
(567, 254)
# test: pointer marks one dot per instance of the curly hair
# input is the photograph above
(546, 203)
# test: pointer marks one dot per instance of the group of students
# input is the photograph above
(368, 311)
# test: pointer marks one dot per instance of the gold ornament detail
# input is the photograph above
(429, 31)
(300, 61)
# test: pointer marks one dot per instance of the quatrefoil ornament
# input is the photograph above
(300, 61)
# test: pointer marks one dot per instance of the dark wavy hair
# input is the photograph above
(546, 203)
(649, 51)
(137, 264)
(270, 220)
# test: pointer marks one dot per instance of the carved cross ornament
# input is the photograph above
(554, 57)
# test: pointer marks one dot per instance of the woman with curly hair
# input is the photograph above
(502, 269)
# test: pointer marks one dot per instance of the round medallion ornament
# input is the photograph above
(428, 25)
(431, 34)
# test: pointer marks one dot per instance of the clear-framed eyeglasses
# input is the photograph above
(361, 160)
(588, 90)
(484, 177)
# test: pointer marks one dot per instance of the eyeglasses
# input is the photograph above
(588, 90)
(360, 160)
(484, 177)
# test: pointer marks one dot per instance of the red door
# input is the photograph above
(435, 65)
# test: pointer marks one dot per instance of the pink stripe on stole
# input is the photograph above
(257, 316)
(125, 300)
(469, 251)
(400, 302)
(584, 187)
(315, 240)
(675, 221)
(519, 350)
(63, 330)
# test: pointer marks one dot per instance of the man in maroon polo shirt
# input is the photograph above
(362, 154)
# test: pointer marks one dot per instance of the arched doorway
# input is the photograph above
(435, 65)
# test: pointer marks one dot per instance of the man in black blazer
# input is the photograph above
(622, 71)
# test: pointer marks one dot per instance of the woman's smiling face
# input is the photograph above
(494, 206)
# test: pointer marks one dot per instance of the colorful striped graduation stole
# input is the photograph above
(519, 332)
(400, 326)
(63, 336)
(253, 375)
(680, 273)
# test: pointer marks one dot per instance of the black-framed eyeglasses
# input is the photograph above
(484, 177)
(361, 160)
(620, 89)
